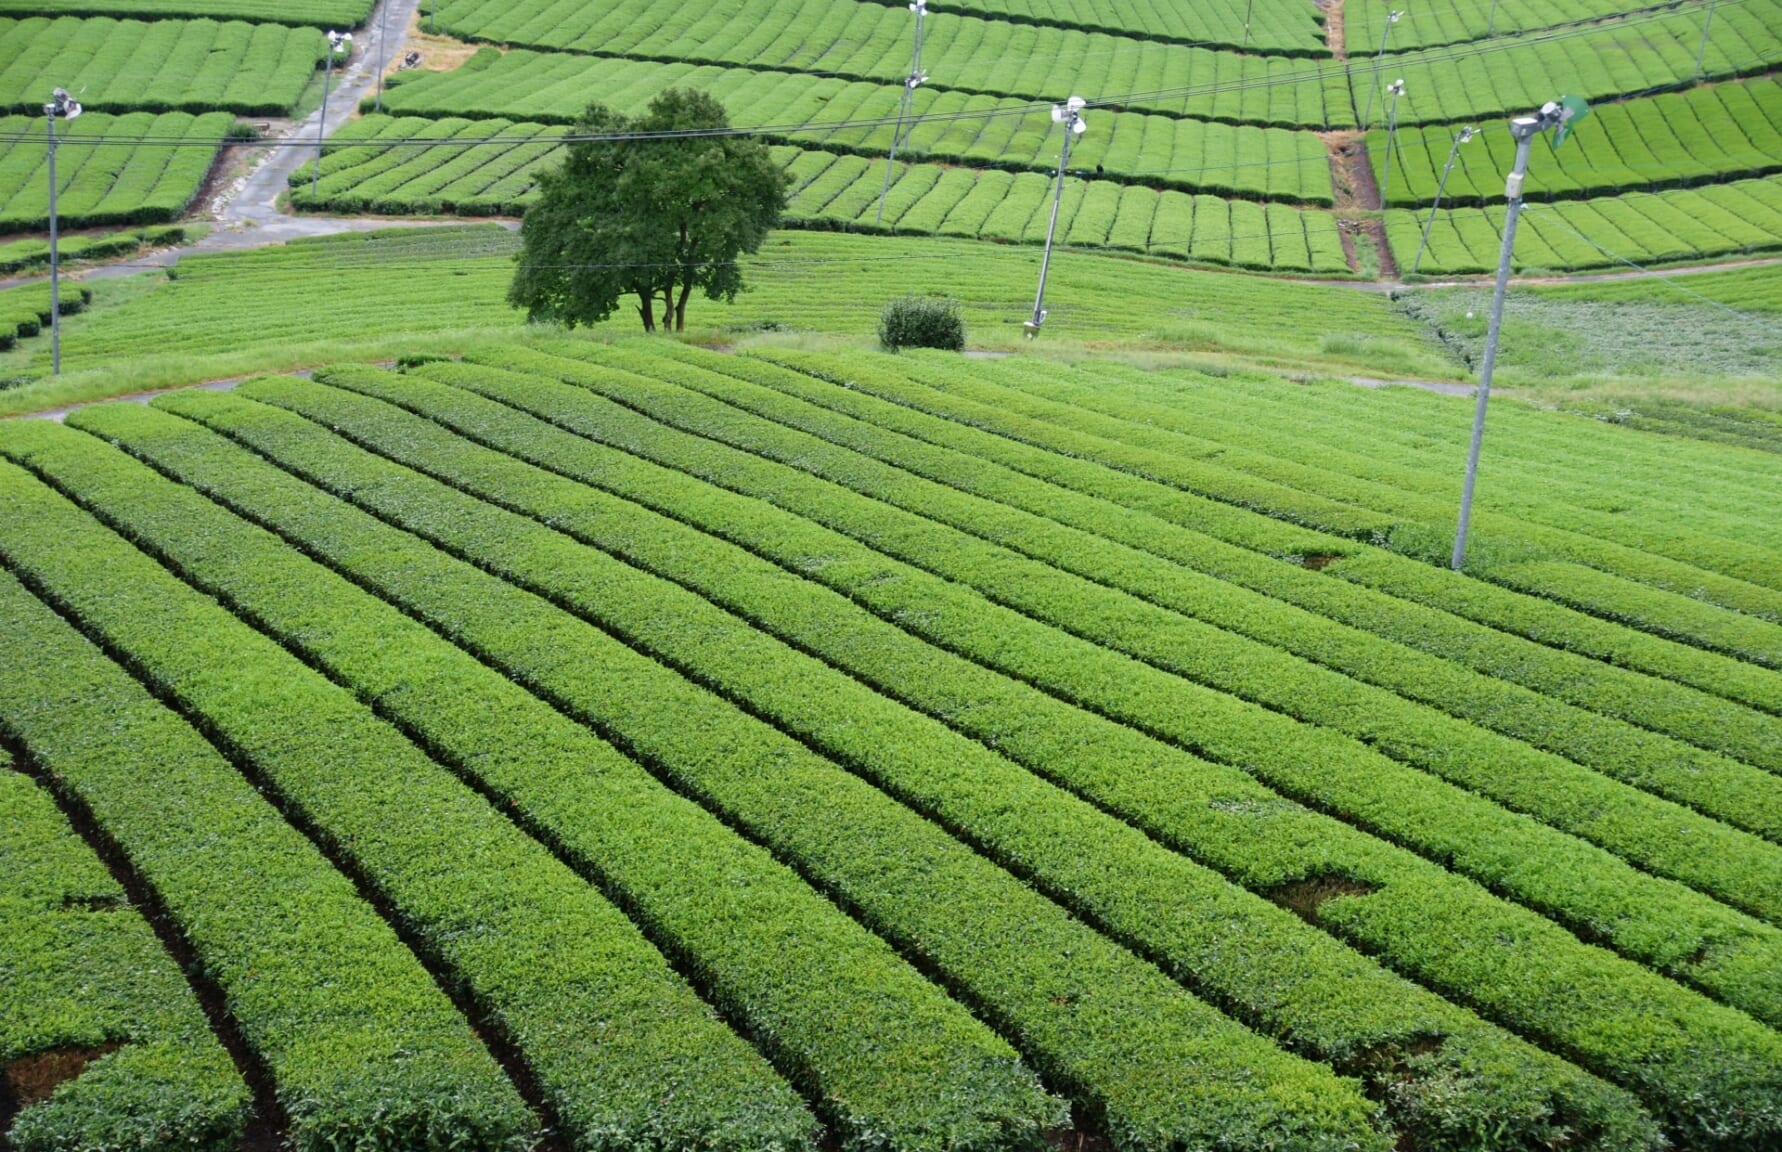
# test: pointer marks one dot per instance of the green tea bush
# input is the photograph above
(922, 322)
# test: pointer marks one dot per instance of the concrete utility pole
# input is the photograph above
(916, 79)
(1701, 50)
(64, 108)
(335, 40)
(1460, 137)
(383, 51)
(1069, 114)
(1397, 88)
(1553, 114)
(1392, 17)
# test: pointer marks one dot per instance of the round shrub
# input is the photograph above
(922, 322)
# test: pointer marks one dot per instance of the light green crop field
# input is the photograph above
(303, 302)
(193, 66)
(105, 175)
(1107, 745)
(426, 731)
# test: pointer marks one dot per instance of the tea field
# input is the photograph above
(443, 288)
(552, 744)
(441, 732)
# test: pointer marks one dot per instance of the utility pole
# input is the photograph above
(1069, 114)
(1460, 137)
(1249, 8)
(915, 79)
(1397, 88)
(1491, 23)
(383, 51)
(60, 106)
(1392, 17)
(1553, 114)
(1702, 49)
(335, 40)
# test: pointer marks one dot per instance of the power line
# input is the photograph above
(1645, 272)
(1180, 92)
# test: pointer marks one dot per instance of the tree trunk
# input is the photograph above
(647, 309)
(680, 308)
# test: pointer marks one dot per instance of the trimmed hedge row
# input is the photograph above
(26, 255)
(1707, 133)
(1214, 811)
(1698, 223)
(1049, 422)
(1096, 466)
(81, 971)
(1556, 790)
(1422, 527)
(318, 13)
(1671, 480)
(777, 957)
(1134, 512)
(1144, 1060)
(1349, 461)
(1645, 47)
(105, 183)
(360, 1045)
(1251, 957)
(1342, 772)
(1692, 509)
(25, 310)
(195, 66)
(1006, 48)
(856, 117)
(608, 1030)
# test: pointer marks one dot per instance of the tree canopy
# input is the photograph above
(651, 218)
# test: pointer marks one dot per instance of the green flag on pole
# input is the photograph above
(1571, 110)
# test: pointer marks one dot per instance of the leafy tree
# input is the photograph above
(653, 218)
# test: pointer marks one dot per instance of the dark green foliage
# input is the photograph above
(362, 1047)
(774, 954)
(922, 322)
(26, 255)
(607, 1028)
(1118, 1036)
(1114, 877)
(653, 219)
(81, 972)
(1510, 950)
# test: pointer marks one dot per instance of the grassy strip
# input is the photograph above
(1124, 509)
(777, 957)
(1718, 625)
(1092, 465)
(362, 1048)
(80, 970)
(1252, 957)
(625, 1052)
(1425, 921)
(1729, 864)
(1141, 1057)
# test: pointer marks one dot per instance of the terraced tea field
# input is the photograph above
(445, 288)
(553, 745)
(498, 739)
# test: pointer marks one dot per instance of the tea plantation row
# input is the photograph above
(1059, 720)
